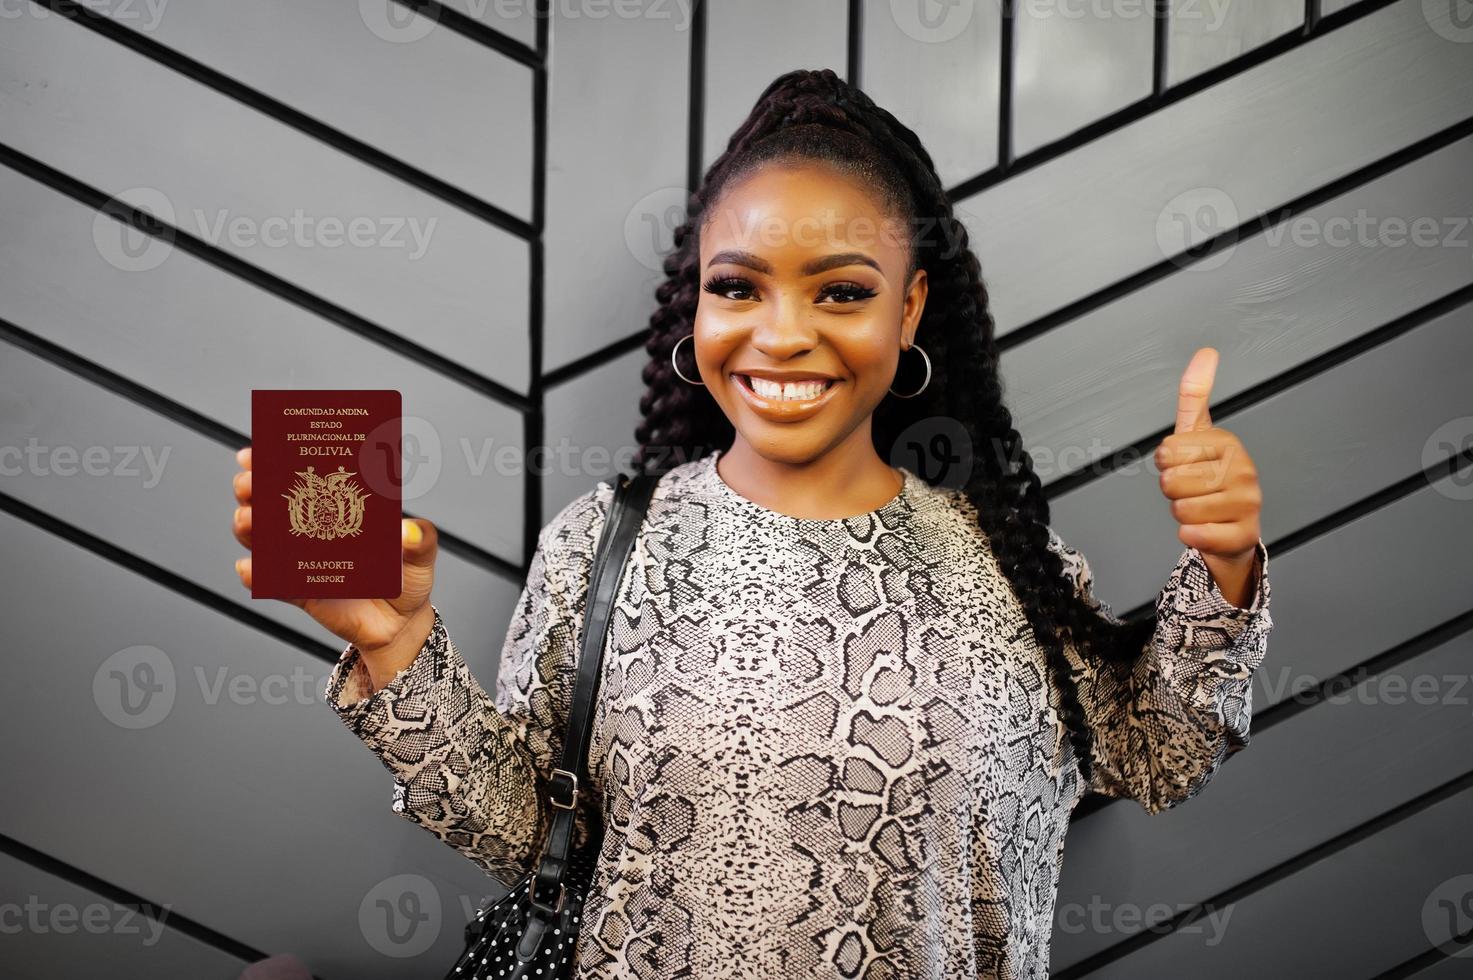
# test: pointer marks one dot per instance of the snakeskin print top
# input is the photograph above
(822, 748)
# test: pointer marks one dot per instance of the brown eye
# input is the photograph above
(847, 292)
(729, 287)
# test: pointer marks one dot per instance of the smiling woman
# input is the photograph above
(847, 707)
(811, 293)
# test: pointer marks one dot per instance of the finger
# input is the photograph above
(243, 457)
(241, 483)
(1209, 508)
(1191, 447)
(420, 541)
(1193, 479)
(240, 525)
(1195, 392)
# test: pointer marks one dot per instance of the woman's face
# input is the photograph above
(804, 308)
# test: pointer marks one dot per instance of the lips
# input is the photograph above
(785, 409)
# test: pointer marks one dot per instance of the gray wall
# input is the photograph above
(513, 180)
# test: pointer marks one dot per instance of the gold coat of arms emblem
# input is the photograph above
(326, 507)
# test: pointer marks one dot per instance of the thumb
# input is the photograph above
(1195, 392)
(420, 541)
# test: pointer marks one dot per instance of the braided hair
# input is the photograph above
(816, 115)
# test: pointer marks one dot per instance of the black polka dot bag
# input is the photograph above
(531, 932)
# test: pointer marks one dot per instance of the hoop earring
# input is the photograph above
(677, 366)
(923, 383)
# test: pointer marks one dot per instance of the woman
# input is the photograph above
(846, 711)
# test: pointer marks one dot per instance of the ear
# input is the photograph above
(913, 307)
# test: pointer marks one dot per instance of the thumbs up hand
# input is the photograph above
(1212, 485)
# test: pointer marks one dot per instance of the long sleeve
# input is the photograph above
(1163, 725)
(472, 770)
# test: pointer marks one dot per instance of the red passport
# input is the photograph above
(326, 497)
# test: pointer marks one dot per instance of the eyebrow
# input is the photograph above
(811, 268)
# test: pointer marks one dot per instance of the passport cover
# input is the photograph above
(326, 494)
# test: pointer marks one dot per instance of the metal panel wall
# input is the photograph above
(544, 152)
(256, 135)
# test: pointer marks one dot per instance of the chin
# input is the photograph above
(787, 444)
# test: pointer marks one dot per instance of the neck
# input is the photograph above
(844, 481)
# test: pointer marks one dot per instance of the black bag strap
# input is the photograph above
(632, 495)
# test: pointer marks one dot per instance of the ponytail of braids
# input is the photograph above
(816, 115)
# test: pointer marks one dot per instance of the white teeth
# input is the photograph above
(796, 391)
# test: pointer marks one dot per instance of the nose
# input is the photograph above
(785, 331)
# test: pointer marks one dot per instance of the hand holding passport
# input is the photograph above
(321, 510)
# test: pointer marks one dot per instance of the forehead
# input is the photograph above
(791, 211)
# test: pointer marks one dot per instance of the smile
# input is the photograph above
(785, 402)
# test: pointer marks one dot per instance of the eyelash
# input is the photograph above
(855, 291)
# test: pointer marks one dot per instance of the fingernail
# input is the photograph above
(240, 455)
(239, 562)
(412, 534)
(239, 513)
